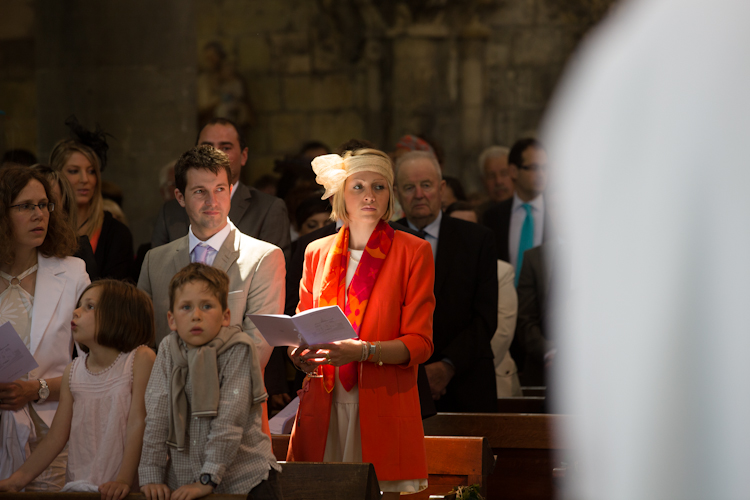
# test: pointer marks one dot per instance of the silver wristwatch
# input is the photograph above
(43, 391)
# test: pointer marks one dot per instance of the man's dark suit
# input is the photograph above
(497, 218)
(465, 314)
(253, 212)
(293, 277)
(531, 327)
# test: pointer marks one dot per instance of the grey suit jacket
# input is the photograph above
(256, 281)
(255, 214)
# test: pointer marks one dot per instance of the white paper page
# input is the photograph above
(15, 359)
(276, 329)
(324, 325)
(282, 422)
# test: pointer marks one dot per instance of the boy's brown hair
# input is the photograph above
(124, 315)
(216, 281)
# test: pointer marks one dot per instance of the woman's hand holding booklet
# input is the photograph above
(321, 325)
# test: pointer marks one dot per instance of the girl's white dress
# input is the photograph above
(101, 405)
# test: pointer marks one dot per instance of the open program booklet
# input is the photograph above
(322, 325)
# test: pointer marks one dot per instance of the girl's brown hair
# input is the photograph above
(124, 315)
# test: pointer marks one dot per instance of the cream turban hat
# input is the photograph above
(332, 170)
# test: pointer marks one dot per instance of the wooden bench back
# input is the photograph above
(523, 445)
(299, 481)
(526, 404)
(451, 461)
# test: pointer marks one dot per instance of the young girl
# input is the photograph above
(102, 411)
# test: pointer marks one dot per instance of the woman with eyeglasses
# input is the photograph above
(39, 285)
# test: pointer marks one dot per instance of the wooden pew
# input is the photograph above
(299, 481)
(526, 404)
(451, 461)
(523, 445)
(537, 391)
(332, 481)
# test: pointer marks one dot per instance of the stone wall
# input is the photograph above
(17, 86)
(466, 74)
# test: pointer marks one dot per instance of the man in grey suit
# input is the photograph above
(253, 212)
(256, 269)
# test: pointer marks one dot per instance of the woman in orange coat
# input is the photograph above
(360, 401)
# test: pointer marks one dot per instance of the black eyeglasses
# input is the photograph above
(28, 208)
(533, 168)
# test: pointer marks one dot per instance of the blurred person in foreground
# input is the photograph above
(652, 357)
(382, 279)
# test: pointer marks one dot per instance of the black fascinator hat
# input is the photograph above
(96, 139)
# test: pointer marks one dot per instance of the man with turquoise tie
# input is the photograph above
(521, 222)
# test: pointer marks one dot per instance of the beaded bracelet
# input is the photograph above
(365, 351)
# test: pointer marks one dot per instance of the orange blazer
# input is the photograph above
(401, 307)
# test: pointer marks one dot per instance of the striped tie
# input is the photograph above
(200, 252)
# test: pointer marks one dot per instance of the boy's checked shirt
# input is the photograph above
(231, 447)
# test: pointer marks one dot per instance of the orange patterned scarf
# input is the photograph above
(357, 296)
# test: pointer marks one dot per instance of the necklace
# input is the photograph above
(16, 280)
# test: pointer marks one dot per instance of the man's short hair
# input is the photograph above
(216, 281)
(515, 157)
(227, 122)
(492, 152)
(205, 157)
(417, 155)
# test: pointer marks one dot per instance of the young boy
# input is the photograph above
(203, 400)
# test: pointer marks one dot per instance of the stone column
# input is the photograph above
(419, 82)
(475, 129)
(130, 67)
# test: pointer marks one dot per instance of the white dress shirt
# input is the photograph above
(517, 217)
(213, 243)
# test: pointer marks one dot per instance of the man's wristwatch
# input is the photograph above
(206, 479)
(43, 391)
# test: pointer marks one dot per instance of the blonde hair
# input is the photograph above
(59, 157)
(379, 163)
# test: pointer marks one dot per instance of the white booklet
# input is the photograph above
(15, 359)
(322, 325)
